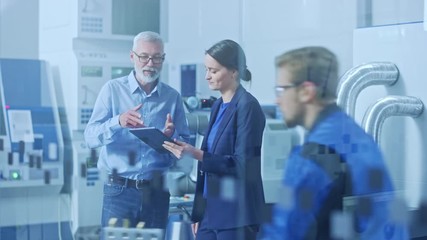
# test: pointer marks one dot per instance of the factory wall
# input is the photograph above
(403, 139)
(19, 29)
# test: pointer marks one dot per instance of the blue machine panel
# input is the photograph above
(25, 87)
(188, 80)
(22, 82)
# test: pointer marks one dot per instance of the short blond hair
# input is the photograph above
(315, 64)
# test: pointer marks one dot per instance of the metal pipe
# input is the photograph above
(364, 13)
(361, 77)
(390, 106)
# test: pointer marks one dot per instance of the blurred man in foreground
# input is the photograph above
(337, 159)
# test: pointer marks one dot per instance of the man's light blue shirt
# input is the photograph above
(103, 130)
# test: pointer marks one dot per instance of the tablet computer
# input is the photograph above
(153, 137)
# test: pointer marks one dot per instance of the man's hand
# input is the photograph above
(131, 118)
(169, 126)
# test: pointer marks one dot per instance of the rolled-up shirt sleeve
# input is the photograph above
(102, 127)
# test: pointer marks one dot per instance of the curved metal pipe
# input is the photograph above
(361, 77)
(387, 107)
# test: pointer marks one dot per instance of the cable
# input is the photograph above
(184, 210)
(70, 223)
(59, 218)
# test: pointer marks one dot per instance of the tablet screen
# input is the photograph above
(153, 137)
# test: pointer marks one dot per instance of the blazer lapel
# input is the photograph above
(229, 112)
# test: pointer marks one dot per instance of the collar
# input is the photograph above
(239, 91)
(134, 86)
(326, 112)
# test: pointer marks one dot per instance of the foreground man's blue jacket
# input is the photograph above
(337, 159)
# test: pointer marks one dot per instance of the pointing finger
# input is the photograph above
(169, 117)
(137, 107)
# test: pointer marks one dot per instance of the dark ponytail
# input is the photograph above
(230, 55)
(246, 75)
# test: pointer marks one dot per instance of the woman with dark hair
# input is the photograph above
(229, 196)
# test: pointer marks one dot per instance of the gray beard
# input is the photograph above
(149, 79)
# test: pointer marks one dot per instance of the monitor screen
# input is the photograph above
(129, 17)
(117, 72)
(91, 71)
(188, 80)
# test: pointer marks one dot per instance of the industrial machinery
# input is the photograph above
(402, 139)
(277, 143)
(192, 85)
(89, 43)
(31, 150)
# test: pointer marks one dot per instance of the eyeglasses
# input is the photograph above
(144, 59)
(280, 90)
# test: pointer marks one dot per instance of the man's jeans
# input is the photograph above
(148, 205)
